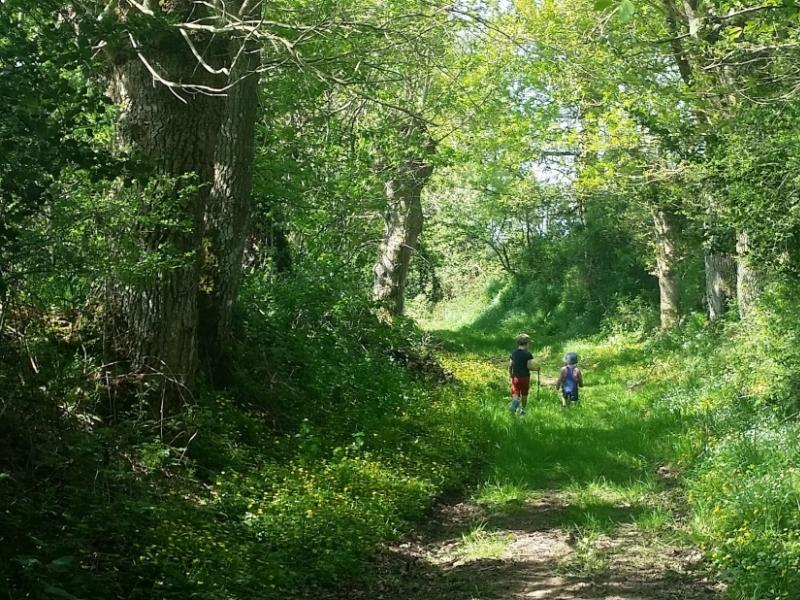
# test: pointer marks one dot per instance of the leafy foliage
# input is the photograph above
(555, 131)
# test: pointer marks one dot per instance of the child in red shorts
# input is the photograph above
(520, 365)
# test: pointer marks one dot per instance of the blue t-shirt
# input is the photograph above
(519, 363)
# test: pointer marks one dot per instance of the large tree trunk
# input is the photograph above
(720, 272)
(748, 283)
(173, 117)
(228, 214)
(404, 221)
(666, 258)
(155, 316)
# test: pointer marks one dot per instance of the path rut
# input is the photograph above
(526, 552)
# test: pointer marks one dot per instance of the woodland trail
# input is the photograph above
(578, 503)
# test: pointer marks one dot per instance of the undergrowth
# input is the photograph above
(741, 450)
(318, 449)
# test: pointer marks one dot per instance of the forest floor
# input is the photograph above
(575, 503)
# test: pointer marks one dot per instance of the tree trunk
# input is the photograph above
(748, 284)
(720, 287)
(229, 210)
(666, 258)
(154, 317)
(404, 221)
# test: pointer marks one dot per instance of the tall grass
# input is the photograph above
(320, 449)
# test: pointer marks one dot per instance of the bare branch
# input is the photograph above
(200, 59)
(141, 7)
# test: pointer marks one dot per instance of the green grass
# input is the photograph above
(600, 457)
(276, 494)
(478, 543)
(716, 405)
(588, 559)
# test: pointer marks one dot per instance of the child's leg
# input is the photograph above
(524, 401)
(514, 404)
(563, 399)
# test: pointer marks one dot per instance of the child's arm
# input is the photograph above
(510, 367)
(560, 377)
(579, 377)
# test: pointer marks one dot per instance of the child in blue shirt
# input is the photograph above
(570, 379)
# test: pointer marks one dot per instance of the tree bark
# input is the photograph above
(748, 283)
(155, 318)
(229, 210)
(666, 258)
(404, 222)
(720, 272)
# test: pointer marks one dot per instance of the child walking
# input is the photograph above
(570, 379)
(520, 365)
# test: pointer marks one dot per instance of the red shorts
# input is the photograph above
(520, 386)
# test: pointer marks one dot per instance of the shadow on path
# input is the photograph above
(541, 559)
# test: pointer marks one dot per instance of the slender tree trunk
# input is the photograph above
(502, 254)
(229, 210)
(720, 272)
(155, 316)
(666, 258)
(404, 221)
(748, 284)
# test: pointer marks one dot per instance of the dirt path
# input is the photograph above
(466, 552)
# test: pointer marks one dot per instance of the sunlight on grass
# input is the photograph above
(498, 493)
(622, 494)
(589, 559)
(479, 544)
(589, 468)
(654, 520)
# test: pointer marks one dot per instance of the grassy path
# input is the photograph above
(575, 503)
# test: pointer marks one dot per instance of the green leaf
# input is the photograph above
(602, 4)
(59, 593)
(65, 563)
(626, 10)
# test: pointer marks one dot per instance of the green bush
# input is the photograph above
(745, 494)
(734, 386)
